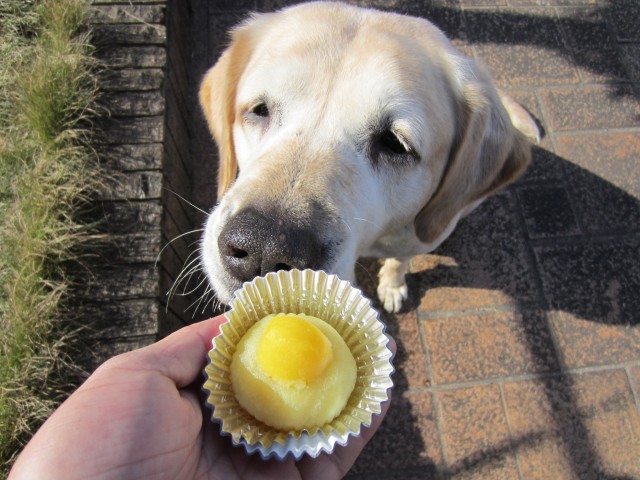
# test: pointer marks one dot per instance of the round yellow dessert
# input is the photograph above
(293, 371)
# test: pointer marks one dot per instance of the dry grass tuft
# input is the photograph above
(47, 89)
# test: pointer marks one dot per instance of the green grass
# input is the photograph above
(47, 88)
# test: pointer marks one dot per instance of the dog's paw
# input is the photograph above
(392, 287)
(392, 294)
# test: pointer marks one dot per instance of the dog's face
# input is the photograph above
(337, 127)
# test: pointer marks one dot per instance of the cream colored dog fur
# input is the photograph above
(347, 132)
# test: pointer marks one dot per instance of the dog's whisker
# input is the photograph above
(193, 252)
(196, 303)
(197, 230)
(195, 243)
(185, 200)
(212, 300)
(215, 303)
(198, 282)
(200, 300)
(345, 222)
(366, 220)
(194, 289)
(182, 275)
(192, 305)
(183, 285)
(190, 261)
(184, 292)
(366, 270)
(209, 298)
(188, 272)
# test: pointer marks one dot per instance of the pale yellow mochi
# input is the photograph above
(293, 372)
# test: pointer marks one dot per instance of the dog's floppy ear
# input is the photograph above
(217, 99)
(487, 153)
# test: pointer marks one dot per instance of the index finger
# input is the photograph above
(182, 355)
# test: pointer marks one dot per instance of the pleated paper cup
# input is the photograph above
(328, 298)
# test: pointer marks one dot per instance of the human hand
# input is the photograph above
(139, 415)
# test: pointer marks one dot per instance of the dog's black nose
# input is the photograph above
(253, 244)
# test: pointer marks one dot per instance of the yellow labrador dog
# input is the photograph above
(347, 132)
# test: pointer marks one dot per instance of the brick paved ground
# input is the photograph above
(519, 352)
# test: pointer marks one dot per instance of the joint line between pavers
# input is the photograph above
(501, 380)
(510, 430)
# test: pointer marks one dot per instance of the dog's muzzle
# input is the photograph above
(254, 243)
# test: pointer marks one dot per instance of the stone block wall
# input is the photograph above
(143, 141)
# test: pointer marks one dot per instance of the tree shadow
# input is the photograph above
(546, 245)
(567, 244)
(563, 244)
(593, 38)
(561, 240)
(401, 437)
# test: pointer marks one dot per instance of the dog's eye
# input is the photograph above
(260, 110)
(391, 143)
(390, 147)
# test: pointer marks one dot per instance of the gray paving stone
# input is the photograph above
(604, 179)
(591, 107)
(547, 212)
(597, 281)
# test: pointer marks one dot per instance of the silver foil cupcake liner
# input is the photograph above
(323, 296)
